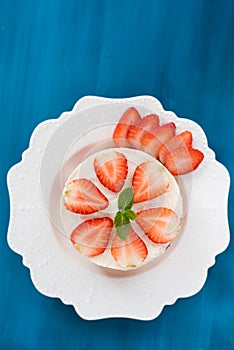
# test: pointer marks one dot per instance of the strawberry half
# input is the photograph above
(111, 169)
(159, 224)
(91, 236)
(182, 140)
(150, 141)
(150, 122)
(183, 160)
(149, 181)
(129, 118)
(137, 134)
(83, 197)
(129, 253)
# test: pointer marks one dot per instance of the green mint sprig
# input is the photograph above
(125, 213)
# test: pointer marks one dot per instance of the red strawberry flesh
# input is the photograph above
(183, 160)
(182, 140)
(129, 118)
(83, 197)
(150, 122)
(111, 169)
(150, 180)
(159, 224)
(129, 253)
(150, 141)
(91, 236)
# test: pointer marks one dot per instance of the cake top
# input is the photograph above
(98, 194)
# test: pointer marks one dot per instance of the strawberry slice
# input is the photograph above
(150, 141)
(149, 181)
(129, 253)
(163, 134)
(144, 129)
(111, 169)
(83, 197)
(159, 224)
(182, 140)
(183, 160)
(150, 122)
(129, 118)
(91, 236)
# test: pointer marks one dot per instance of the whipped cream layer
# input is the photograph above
(171, 199)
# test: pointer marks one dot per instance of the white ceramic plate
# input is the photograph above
(57, 270)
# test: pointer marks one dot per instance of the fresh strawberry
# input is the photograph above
(83, 197)
(182, 140)
(183, 160)
(91, 236)
(149, 181)
(129, 253)
(111, 169)
(163, 134)
(142, 131)
(129, 118)
(159, 224)
(150, 141)
(137, 134)
(150, 122)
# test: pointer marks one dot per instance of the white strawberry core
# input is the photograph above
(171, 199)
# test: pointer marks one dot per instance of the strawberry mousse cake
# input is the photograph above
(122, 206)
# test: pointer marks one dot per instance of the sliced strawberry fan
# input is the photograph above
(150, 140)
(174, 151)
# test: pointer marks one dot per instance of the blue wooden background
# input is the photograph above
(52, 52)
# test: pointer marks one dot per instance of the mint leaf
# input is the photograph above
(123, 231)
(125, 214)
(122, 225)
(118, 221)
(130, 214)
(126, 198)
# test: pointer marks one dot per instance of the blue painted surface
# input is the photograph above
(53, 52)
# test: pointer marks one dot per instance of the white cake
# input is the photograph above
(171, 199)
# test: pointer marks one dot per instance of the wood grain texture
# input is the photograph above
(53, 52)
